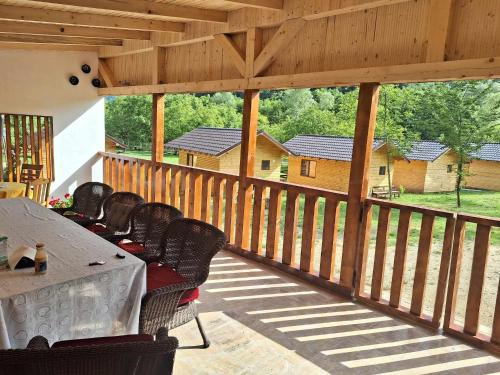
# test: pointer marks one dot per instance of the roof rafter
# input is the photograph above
(16, 13)
(21, 38)
(269, 4)
(16, 27)
(354, 8)
(149, 8)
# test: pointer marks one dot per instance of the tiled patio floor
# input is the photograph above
(263, 321)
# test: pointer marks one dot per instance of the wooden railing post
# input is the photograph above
(158, 139)
(247, 166)
(358, 180)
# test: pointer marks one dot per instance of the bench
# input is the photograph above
(383, 192)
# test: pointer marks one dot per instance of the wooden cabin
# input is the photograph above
(484, 168)
(428, 167)
(219, 149)
(325, 162)
(113, 145)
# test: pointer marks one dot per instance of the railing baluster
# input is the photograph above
(309, 233)
(364, 243)
(455, 267)
(245, 193)
(443, 271)
(495, 332)
(206, 195)
(400, 256)
(329, 242)
(384, 217)
(481, 246)
(195, 187)
(420, 278)
(230, 210)
(291, 218)
(218, 202)
(174, 186)
(184, 192)
(273, 224)
(164, 184)
(8, 146)
(258, 219)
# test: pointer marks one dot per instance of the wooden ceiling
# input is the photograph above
(62, 20)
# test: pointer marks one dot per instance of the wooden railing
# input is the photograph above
(296, 228)
(419, 308)
(25, 139)
(469, 324)
(276, 221)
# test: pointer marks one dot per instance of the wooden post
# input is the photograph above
(247, 166)
(157, 118)
(358, 179)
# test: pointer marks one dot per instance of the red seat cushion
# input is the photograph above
(132, 247)
(98, 229)
(159, 276)
(104, 341)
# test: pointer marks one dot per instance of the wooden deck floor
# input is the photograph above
(262, 321)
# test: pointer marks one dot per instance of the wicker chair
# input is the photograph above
(116, 218)
(148, 223)
(88, 199)
(120, 355)
(174, 276)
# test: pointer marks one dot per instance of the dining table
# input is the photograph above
(12, 190)
(73, 299)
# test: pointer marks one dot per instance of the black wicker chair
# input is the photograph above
(120, 355)
(174, 276)
(116, 218)
(148, 224)
(88, 199)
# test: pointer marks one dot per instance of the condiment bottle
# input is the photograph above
(40, 258)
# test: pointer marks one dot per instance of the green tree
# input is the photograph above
(464, 115)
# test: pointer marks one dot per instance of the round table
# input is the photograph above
(12, 189)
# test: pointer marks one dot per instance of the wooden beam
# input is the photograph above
(48, 47)
(149, 8)
(106, 73)
(353, 9)
(247, 166)
(358, 180)
(283, 36)
(21, 38)
(253, 48)
(474, 69)
(158, 125)
(268, 4)
(107, 55)
(16, 27)
(233, 51)
(249, 133)
(437, 31)
(15, 13)
(158, 68)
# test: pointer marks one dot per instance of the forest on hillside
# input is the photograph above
(466, 109)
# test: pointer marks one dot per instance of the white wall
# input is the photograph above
(36, 82)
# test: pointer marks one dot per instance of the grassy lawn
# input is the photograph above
(171, 159)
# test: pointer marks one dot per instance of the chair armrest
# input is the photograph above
(116, 238)
(38, 343)
(61, 210)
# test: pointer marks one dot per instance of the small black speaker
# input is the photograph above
(96, 82)
(86, 68)
(74, 80)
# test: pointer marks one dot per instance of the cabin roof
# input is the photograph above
(489, 152)
(325, 147)
(117, 141)
(214, 141)
(426, 150)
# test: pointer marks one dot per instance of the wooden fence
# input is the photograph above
(25, 139)
(280, 224)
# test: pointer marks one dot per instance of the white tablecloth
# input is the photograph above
(72, 300)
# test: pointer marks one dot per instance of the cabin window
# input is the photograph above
(265, 165)
(308, 168)
(190, 160)
(449, 168)
(381, 171)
